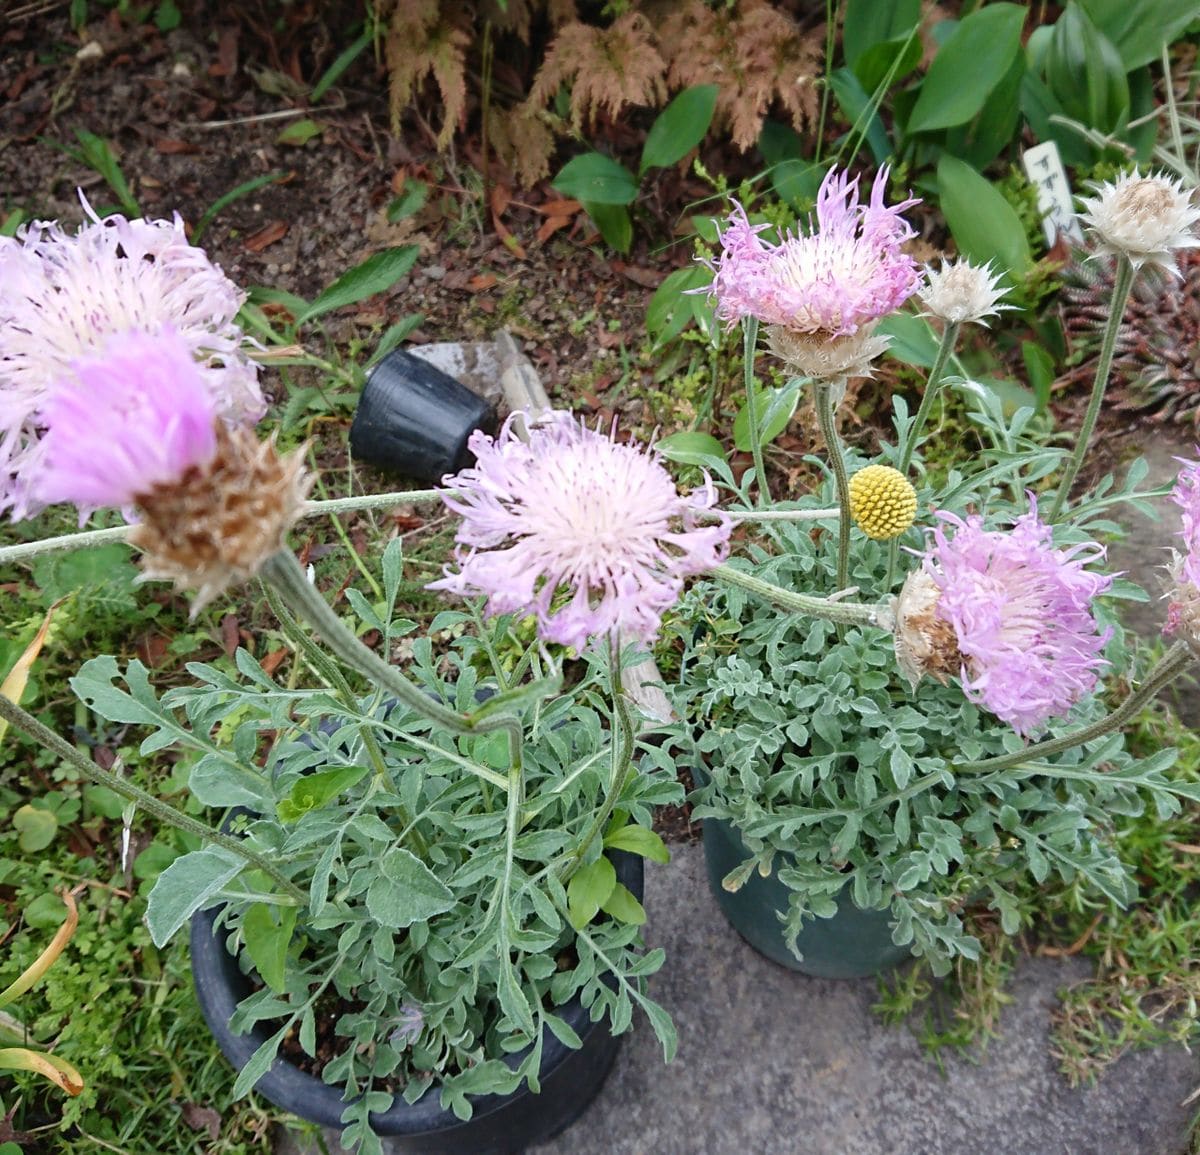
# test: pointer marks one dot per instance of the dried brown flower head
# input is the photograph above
(218, 523)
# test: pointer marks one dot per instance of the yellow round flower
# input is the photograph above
(882, 501)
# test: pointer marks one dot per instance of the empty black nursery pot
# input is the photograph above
(414, 419)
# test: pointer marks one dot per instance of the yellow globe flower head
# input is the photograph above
(882, 501)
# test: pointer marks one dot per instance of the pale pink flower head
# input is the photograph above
(134, 416)
(588, 535)
(1183, 605)
(850, 271)
(1021, 612)
(64, 296)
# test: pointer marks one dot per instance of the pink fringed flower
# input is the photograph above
(64, 296)
(588, 535)
(136, 416)
(1021, 612)
(836, 282)
(1183, 606)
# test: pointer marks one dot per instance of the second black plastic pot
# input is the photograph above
(414, 419)
(499, 1125)
(852, 944)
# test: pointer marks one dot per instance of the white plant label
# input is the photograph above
(1044, 167)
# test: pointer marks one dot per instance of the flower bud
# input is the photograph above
(1144, 218)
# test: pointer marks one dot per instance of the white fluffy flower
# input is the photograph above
(65, 297)
(1145, 218)
(961, 292)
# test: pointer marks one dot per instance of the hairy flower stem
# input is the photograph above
(1120, 297)
(164, 812)
(283, 571)
(827, 419)
(94, 537)
(844, 613)
(750, 340)
(327, 670)
(933, 386)
(622, 767)
(1173, 663)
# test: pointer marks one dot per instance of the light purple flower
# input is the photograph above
(135, 416)
(63, 296)
(1021, 611)
(848, 273)
(1183, 605)
(588, 535)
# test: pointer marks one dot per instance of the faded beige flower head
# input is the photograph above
(960, 292)
(1145, 218)
(925, 643)
(821, 356)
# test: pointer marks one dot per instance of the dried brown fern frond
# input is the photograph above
(757, 55)
(523, 142)
(1158, 344)
(606, 68)
(424, 41)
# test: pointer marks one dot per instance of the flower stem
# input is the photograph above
(933, 386)
(1166, 670)
(283, 571)
(622, 767)
(1120, 297)
(163, 811)
(782, 514)
(845, 613)
(827, 419)
(94, 537)
(750, 340)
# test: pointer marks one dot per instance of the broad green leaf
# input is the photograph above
(614, 223)
(985, 226)
(889, 62)
(378, 273)
(969, 65)
(639, 840)
(692, 447)
(406, 891)
(267, 932)
(1139, 30)
(775, 409)
(186, 886)
(588, 890)
(680, 127)
(622, 905)
(596, 178)
(1084, 72)
(670, 307)
(913, 342)
(1039, 368)
(312, 791)
(411, 200)
(394, 334)
(36, 828)
(871, 22)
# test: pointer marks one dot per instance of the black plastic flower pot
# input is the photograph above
(499, 1124)
(852, 944)
(414, 419)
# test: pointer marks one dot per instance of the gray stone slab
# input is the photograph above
(772, 1062)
